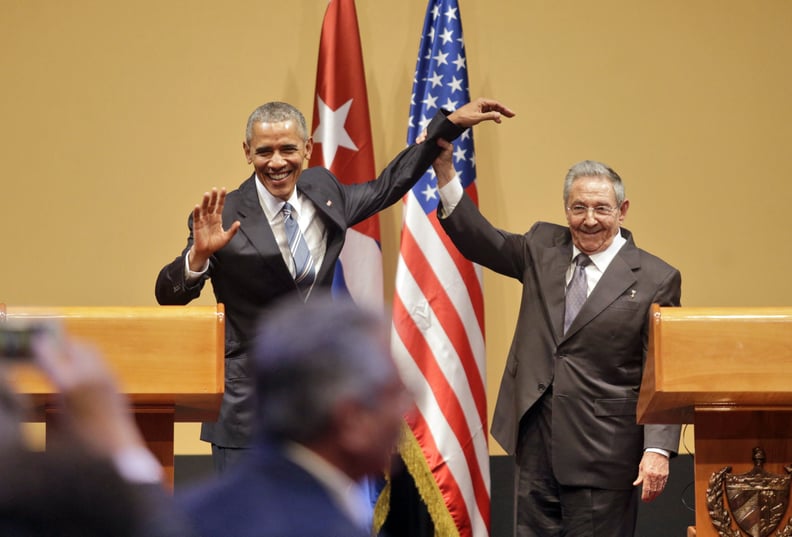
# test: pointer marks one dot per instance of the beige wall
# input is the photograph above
(117, 116)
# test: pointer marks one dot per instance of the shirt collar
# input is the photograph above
(602, 259)
(346, 493)
(272, 205)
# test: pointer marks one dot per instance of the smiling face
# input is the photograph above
(277, 152)
(593, 232)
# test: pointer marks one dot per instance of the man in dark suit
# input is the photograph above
(567, 402)
(243, 241)
(329, 411)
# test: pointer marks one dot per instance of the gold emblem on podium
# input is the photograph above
(757, 500)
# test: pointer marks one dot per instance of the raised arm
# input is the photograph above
(444, 163)
(478, 110)
(472, 113)
(401, 174)
(208, 233)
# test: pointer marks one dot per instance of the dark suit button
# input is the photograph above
(541, 387)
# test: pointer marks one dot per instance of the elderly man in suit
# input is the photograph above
(567, 402)
(329, 411)
(280, 233)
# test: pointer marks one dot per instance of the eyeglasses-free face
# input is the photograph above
(593, 215)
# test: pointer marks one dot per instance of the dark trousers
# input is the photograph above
(224, 458)
(545, 508)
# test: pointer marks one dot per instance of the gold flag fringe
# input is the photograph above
(382, 507)
(427, 487)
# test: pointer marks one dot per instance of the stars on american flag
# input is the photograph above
(442, 58)
(430, 102)
(429, 192)
(438, 309)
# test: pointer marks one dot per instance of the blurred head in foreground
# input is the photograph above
(325, 379)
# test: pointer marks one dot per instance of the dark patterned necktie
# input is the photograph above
(304, 267)
(576, 290)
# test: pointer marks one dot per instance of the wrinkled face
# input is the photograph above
(594, 229)
(278, 153)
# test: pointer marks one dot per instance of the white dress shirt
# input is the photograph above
(311, 225)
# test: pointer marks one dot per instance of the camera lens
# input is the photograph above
(16, 342)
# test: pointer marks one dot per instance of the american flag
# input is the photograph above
(438, 311)
(342, 144)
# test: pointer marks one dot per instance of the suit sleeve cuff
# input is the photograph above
(663, 452)
(442, 127)
(192, 277)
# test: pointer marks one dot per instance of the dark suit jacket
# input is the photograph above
(596, 368)
(266, 495)
(70, 491)
(249, 273)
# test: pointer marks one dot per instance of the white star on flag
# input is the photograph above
(331, 132)
(423, 122)
(430, 102)
(459, 154)
(455, 84)
(341, 120)
(430, 192)
(450, 105)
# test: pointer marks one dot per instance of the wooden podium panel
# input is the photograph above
(168, 360)
(729, 372)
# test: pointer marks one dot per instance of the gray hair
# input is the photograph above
(592, 168)
(308, 357)
(274, 112)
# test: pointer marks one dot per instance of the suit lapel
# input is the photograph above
(551, 266)
(254, 225)
(329, 206)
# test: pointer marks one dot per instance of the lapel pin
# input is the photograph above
(633, 293)
(329, 203)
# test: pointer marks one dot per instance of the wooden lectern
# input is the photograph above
(729, 372)
(168, 360)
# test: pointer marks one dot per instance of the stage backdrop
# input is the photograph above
(118, 116)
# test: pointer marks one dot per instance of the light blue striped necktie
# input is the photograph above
(304, 266)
